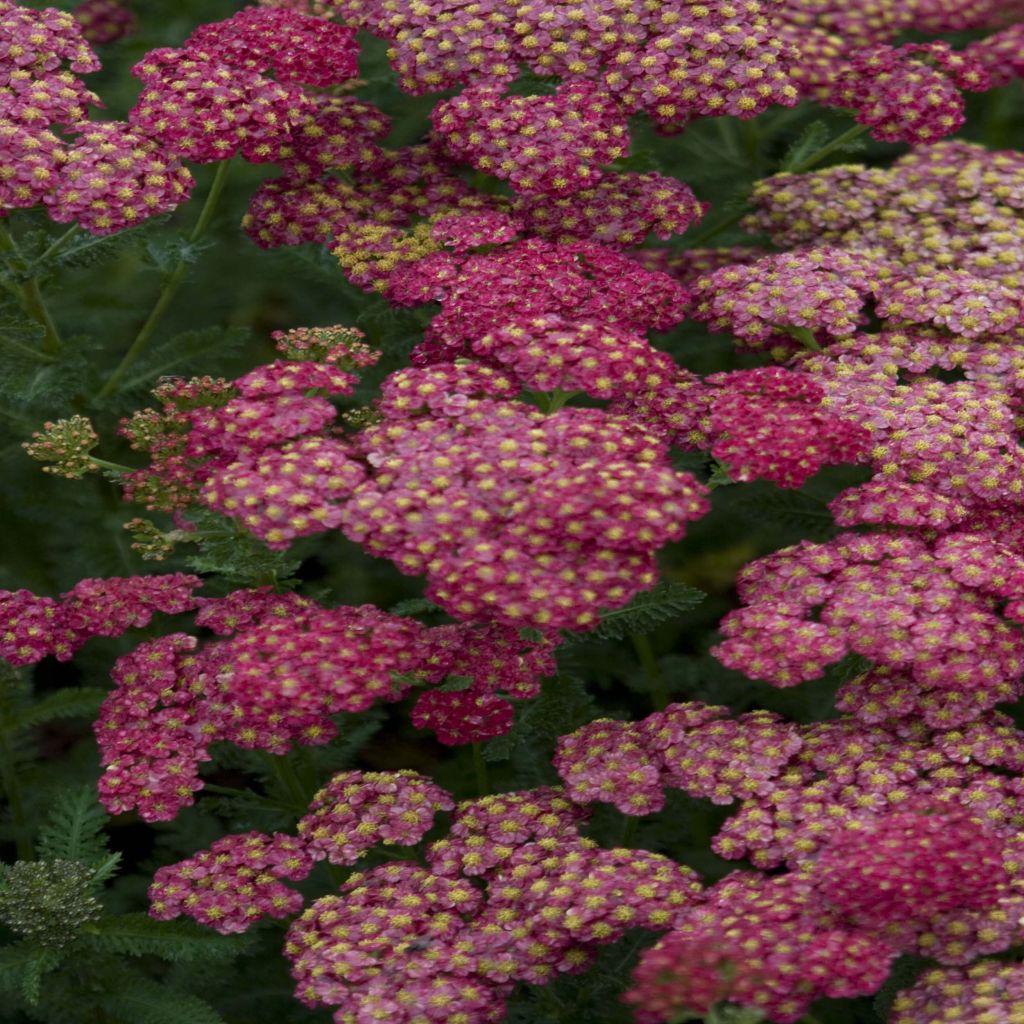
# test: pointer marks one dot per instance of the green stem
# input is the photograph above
(285, 773)
(57, 245)
(804, 335)
(652, 671)
(705, 236)
(9, 778)
(115, 466)
(171, 285)
(629, 830)
(830, 147)
(812, 161)
(555, 400)
(483, 783)
(31, 297)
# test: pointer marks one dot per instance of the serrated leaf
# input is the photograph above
(645, 612)
(187, 351)
(227, 550)
(72, 702)
(14, 962)
(811, 139)
(164, 252)
(74, 828)
(563, 705)
(140, 935)
(35, 968)
(794, 509)
(145, 1002)
(415, 606)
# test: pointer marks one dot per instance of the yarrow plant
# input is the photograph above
(581, 443)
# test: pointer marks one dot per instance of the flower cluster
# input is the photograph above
(105, 21)
(234, 883)
(693, 747)
(277, 672)
(819, 291)
(39, 627)
(909, 93)
(580, 281)
(768, 424)
(988, 989)
(515, 517)
(892, 598)
(356, 811)
(114, 178)
(945, 206)
(548, 144)
(255, 448)
(761, 942)
(430, 947)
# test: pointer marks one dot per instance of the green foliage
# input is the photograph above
(71, 702)
(204, 351)
(142, 1001)
(646, 611)
(228, 551)
(174, 941)
(74, 829)
(795, 510)
(562, 706)
(810, 140)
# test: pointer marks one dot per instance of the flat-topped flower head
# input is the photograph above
(711, 59)
(891, 874)
(38, 627)
(463, 716)
(515, 517)
(279, 681)
(619, 210)
(113, 177)
(962, 302)
(541, 144)
(554, 353)
(234, 883)
(41, 41)
(909, 93)
(485, 833)
(607, 761)
(769, 424)
(762, 943)
(893, 598)
(202, 108)
(820, 290)
(949, 205)
(31, 172)
(988, 990)
(298, 48)
(357, 811)
(536, 277)
(393, 943)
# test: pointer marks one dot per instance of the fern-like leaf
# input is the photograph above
(34, 969)
(562, 706)
(793, 509)
(206, 348)
(142, 1001)
(15, 961)
(646, 611)
(72, 702)
(139, 935)
(74, 829)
